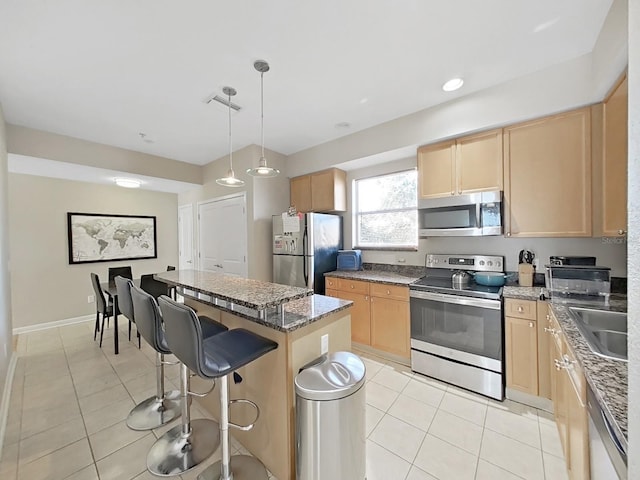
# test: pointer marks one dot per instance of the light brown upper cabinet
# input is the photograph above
(613, 178)
(466, 165)
(547, 176)
(324, 191)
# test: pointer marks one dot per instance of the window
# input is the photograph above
(385, 211)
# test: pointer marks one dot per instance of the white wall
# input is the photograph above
(44, 286)
(6, 335)
(265, 197)
(634, 239)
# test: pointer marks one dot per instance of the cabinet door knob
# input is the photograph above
(508, 234)
(366, 298)
(351, 286)
(548, 317)
(388, 292)
(530, 324)
(520, 309)
(622, 232)
(452, 192)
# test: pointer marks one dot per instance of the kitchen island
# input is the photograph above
(293, 317)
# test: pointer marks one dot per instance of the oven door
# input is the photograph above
(464, 329)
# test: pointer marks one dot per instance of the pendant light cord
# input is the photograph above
(262, 111)
(230, 144)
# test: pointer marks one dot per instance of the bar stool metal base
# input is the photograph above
(155, 412)
(174, 453)
(243, 467)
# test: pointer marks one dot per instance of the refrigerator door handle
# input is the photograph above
(304, 250)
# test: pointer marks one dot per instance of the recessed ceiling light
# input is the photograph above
(453, 84)
(364, 100)
(343, 125)
(128, 182)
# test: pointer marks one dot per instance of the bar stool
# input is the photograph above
(193, 441)
(163, 407)
(217, 357)
(125, 306)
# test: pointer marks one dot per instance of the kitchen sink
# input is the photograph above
(604, 331)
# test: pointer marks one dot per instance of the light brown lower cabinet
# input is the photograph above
(360, 316)
(379, 316)
(521, 345)
(569, 404)
(390, 326)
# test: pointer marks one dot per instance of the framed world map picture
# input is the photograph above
(94, 237)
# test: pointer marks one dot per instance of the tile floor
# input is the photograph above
(70, 400)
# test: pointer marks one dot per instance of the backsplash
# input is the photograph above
(610, 252)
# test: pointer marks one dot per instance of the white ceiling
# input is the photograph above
(105, 71)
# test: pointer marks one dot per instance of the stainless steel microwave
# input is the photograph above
(476, 214)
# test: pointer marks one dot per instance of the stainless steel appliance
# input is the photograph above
(457, 330)
(305, 247)
(607, 448)
(475, 214)
(556, 260)
(578, 283)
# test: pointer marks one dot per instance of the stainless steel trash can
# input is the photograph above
(330, 419)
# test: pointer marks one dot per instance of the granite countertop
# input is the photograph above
(376, 276)
(297, 313)
(521, 293)
(607, 378)
(253, 294)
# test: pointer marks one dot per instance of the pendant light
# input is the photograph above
(230, 180)
(262, 170)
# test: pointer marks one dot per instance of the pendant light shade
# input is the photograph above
(262, 170)
(230, 180)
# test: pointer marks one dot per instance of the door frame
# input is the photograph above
(243, 196)
(186, 206)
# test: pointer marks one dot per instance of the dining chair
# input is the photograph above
(121, 271)
(104, 307)
(153, 287)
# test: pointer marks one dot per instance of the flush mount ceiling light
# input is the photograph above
(230, 180)
(127, 182)
(453, 84)
(262, 170)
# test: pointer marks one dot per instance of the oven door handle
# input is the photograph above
(457, 300)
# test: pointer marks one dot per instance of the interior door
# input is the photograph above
(185, 237)
(222, 239)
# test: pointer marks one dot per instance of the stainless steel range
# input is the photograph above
(457, 328)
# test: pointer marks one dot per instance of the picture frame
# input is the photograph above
(97, 237)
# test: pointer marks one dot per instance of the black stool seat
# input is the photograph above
(216, 357)
(231, 350)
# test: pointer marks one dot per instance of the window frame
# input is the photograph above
(357, 213)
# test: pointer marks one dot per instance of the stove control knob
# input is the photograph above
(497, 263)
(489, 263)
(436, 260)
(481, 263)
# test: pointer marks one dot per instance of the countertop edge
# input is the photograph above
(273, 319)
(374, 276)
(603, 375)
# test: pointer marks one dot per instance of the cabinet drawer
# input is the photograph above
(353, 286)
(520, 308)
(330, 283)
(397, 292)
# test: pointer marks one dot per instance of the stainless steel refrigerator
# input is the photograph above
(304, 248)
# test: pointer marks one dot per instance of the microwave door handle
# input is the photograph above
(478, 213)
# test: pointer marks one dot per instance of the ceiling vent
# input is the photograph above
(219, 99)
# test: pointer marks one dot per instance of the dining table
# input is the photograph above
(111, 290)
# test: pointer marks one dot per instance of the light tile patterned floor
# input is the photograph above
(70, 400)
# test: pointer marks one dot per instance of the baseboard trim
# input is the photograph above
(6, 398)
(57, 323)
(528, 399)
